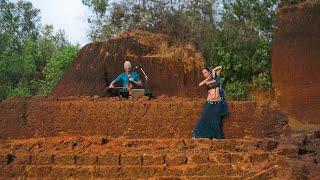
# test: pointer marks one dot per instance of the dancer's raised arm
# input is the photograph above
(217, 70)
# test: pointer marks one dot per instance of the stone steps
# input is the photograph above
(101, 157)
(137, 159)
(78, 143)
(92, 171)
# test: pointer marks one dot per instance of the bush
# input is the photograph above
(262, 81)
(237, 91)
(56, 66)
(19, 91)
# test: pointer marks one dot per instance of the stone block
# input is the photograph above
(42, 159)
(153, 160)
(86, 172)
(86, 159)
(151, 171)
(237, 158)
(130, 160)
(130, 172)
(176, 159)
(36, 171)
(107, 172)
(261, 157)
(63, 172)
(64, 159)
(223, 158)
(109, 159)
(198, 158)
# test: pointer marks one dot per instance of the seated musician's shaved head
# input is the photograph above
(127, 78)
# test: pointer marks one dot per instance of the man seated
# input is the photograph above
(128, 79)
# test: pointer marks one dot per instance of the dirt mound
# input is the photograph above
(161, 45)
(295, 60)
(173, 69)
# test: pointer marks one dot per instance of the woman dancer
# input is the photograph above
(209, 125)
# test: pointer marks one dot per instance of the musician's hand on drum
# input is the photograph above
(111, 86)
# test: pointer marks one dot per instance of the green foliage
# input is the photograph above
(98, 6)
(242, 44)
(237, 90)
(28, 51)
(56, 66)
(20, 20)
(262, 81)
(16, 91)
(186, 21)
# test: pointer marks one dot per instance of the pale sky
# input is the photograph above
(68, 15)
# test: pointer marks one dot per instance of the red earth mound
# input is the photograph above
(296, 60)
(173, 70)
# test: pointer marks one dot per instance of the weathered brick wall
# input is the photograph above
(164, 117)
(296, 60)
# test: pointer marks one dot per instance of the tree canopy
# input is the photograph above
(32, 56)
(236, 34)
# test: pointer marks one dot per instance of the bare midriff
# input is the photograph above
(213, 95)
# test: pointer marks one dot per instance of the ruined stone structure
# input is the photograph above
(87, 137)
(296, 60)
(160, 118)
(68, 136)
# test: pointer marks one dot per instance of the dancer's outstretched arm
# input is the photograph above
(217, 70)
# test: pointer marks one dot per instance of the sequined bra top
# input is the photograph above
(212, 85)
